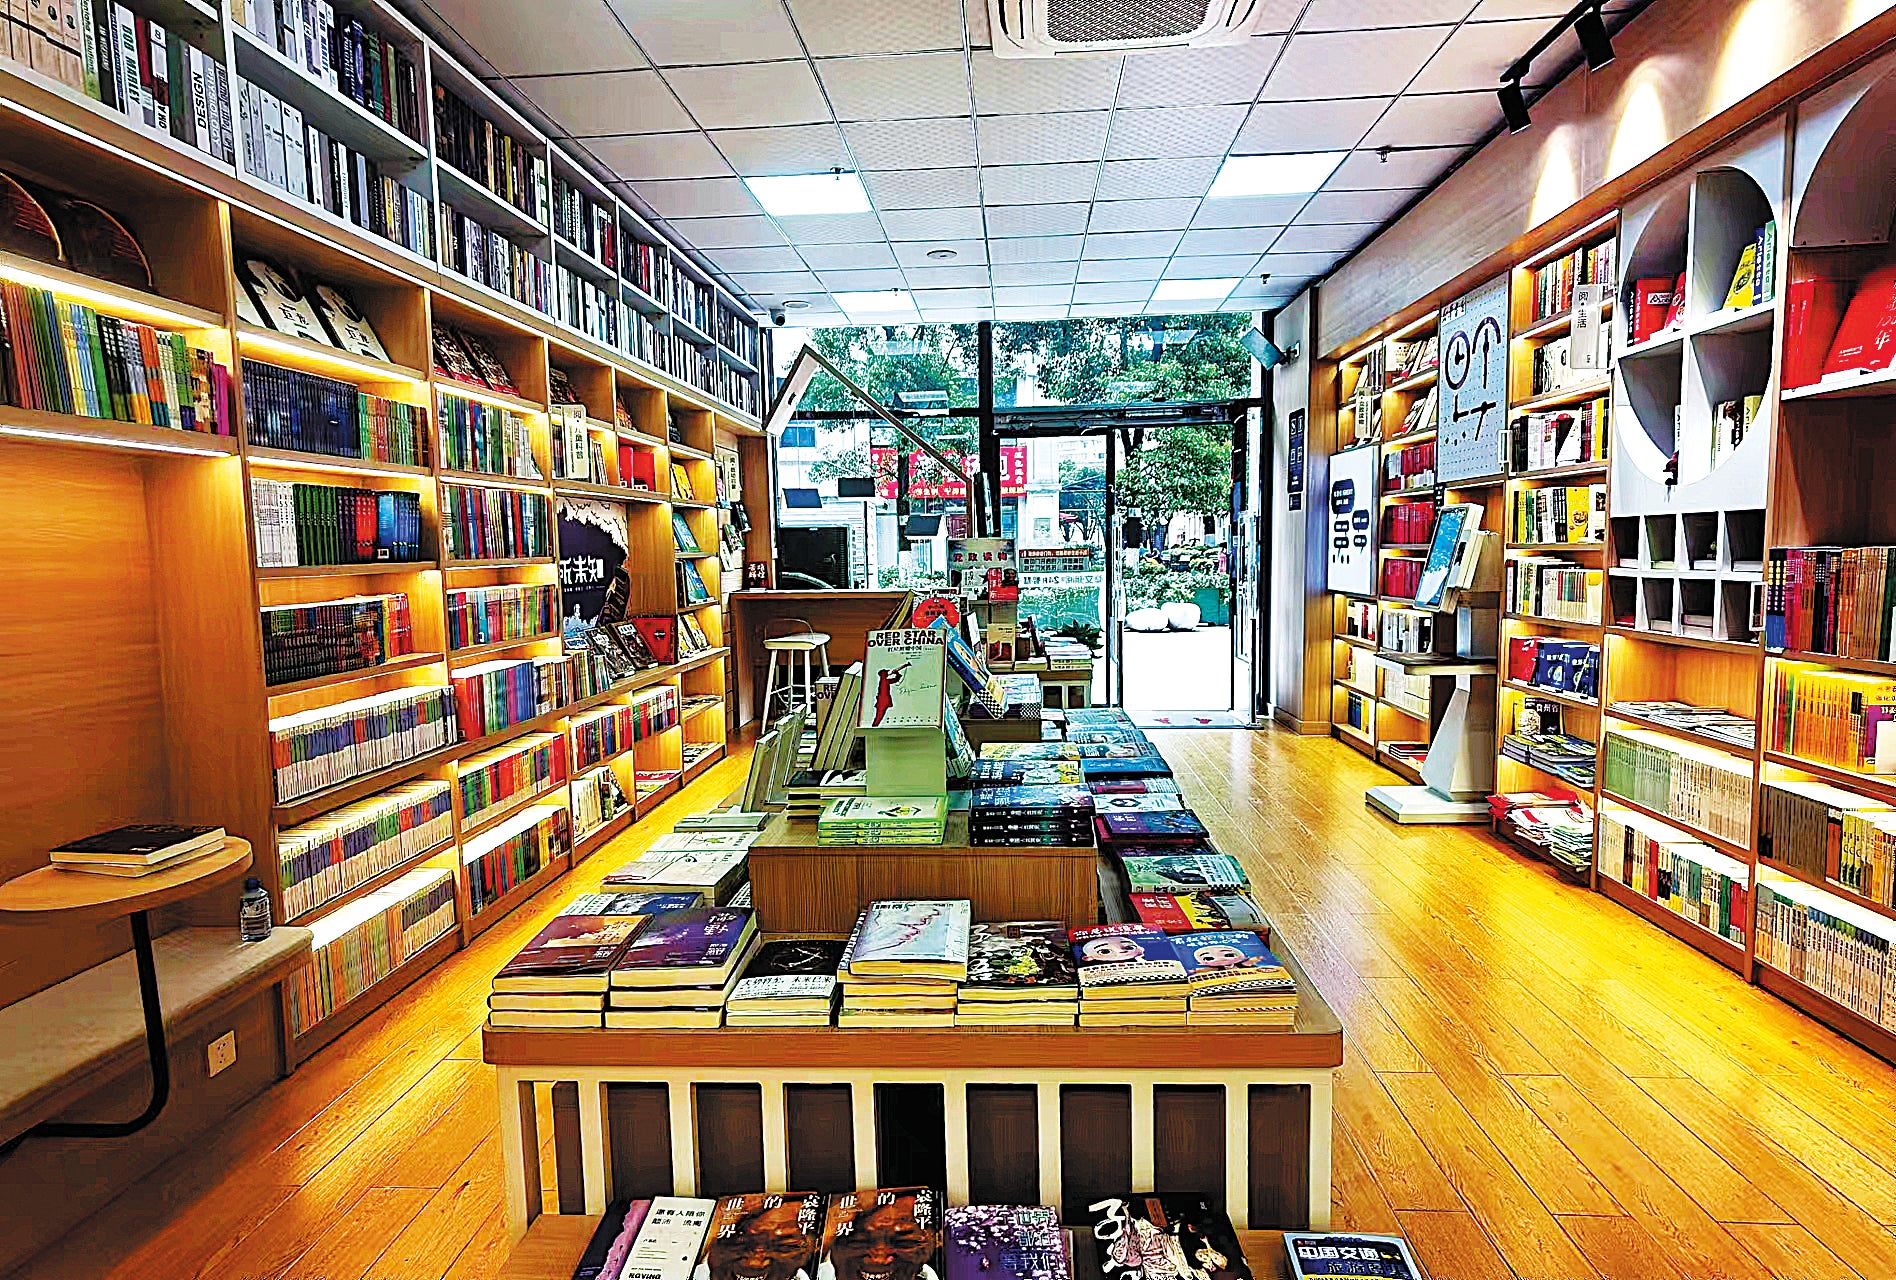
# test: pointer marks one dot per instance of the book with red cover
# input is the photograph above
(1813, 308)
(1675, 314)
(1652, 302)
(1866, 340)
(1523, 658)
(661, 637)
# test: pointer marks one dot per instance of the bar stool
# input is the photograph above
(799, 638)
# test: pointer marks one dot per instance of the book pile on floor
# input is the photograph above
(1020, 974)
(1551, 827)
(789, 982)
(680, 967)
(903, 963)
(713, 863)
(1059, 814)
(560, 978)
(883, 820)
(1129, 977)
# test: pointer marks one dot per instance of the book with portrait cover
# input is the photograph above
(1230, 962)
(1172, 1236)
(1025, 772)
(763, 1236)
(1126, 959)
(1020, 960)
(891, 1233)
(1005, 1242)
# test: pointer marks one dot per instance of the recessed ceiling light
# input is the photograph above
(805, 194)
(942, 255)
(878, 304)
(1193, 290)
(796, 304)
(1287, 175)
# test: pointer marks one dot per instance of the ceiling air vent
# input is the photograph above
(1063, 28)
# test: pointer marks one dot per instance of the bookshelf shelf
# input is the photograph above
(697, 767)
(499, 399)
(1868, 665)
(1551, 327)
(489, 208)
(1359, 642)
(1669, 342)
(1404, 546)
(492, 480)
(317, 357)
(1754, 318)
(1684, 642)
(1556, 546)
(1417, 383)
(298, 460)
(686, 451)
(1836, 891)
(610, 492)
(476, 652)
(1877, 786)
(334, 114)
(1684, 735)
(109, 433)
(1730, 847)
(1878, 1040)
(1690, 932)
(293, 812)
(691, 333)
(640, 300)
(1534, 619)
(500, 562)
(398, 980)
(1565, 699)
(345, 570)
(479, 922)
(1848, 386)
(1561, 473)
(407, 662)
(593, 841)
(103, 295)
(474, 824)
(577, 260)
(1566, 396)
(374, 882)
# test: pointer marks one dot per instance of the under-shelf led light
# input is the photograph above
(336, 466)
(1285, 175)
(499, 399)
(130, 308)
(108, 442)
(328, 360)
(809, 194)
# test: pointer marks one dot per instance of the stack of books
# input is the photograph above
(560, 978)
(880, 820)
(138, 850)
(808, 791)
(1129, 977)
(903, 963)
(713, 863)
(1060, 815)
(1188, 912)
(1020, 974)
(1025, 772)
(789, 982)
(680, 967)
(1235, 980)
(1713, 722)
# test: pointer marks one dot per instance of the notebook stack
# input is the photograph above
(1129, 977)
(789, 982)
(712, 863)
(1020, 974)
(679, 969)
(903, 963)
(883, 820)
(1057, 815)
(1235, 980)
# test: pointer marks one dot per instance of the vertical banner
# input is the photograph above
(1294, 477)
(1472, 409)
(1353, 521)
(1587, 345)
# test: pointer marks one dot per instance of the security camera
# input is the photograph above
(777, 316)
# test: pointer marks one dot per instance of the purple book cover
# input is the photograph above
(1169, 826)
(688, 939)
(1005, 1242)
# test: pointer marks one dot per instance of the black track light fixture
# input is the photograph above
(1514, 107)
(1595, 43)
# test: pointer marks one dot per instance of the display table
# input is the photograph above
(800, 886)
(1246, 1109)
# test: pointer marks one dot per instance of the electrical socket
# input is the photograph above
(223, 1052)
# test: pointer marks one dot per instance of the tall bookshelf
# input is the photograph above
(151, 701)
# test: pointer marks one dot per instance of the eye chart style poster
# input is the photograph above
(1353, 521)
(1472, 406)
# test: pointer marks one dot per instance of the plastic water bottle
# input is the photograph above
(253, 912)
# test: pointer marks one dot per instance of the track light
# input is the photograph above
(1514, 107)
(1594, 42)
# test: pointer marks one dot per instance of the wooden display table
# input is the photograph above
(1079, 1110)
(800, 886)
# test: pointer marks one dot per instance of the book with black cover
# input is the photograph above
(1170, 1236)
(1020, 960)
(144, 842)
(763, 1236)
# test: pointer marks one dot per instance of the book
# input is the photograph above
(345, 323)
(883, 820)
(631, 904)
(1165, 1237)
(903, 674)
(1866, 337)
(669, 1240)
(280, 299)
(572, 953)
(1126, 960)
(891, 1233)
(686, 949)
(140, 844)
(1231, 962)
(612, 1240)
(1159, 871)
(1004, 1242)
(788, 974)
(926, 938)
(1349, 1255)
(763, 1236)
(1176, 825)
(1019, 960)
(1174, 913)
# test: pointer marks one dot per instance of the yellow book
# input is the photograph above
(1744, 281)
(1579, 507)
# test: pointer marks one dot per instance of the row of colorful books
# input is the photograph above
(1685, 876)
(1701, 787)
(1557, 513)
(477, 436)
(514, 851)
(363, 942)
(1553, 282)
(1840, 951)
(334, 637)
(1552, 588)
(290, 409)
(1830, 600)
(1837, 718)
(320, 860)
(298, 523)
(1560, 666)
(505, 611)
(479, 522)
(1566, 437)
(1830, 834)
(494, 779)
(326, 746)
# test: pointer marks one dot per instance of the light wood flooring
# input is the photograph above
(1537, 1083)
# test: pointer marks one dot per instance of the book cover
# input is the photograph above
(1025, 772)
(1165, 1237)
(492, 371)
(1145, 802)
(1004, 1242)
(685, 946)
(451, 359)
(280, 299)
(348, 327)
(1124, 955)
(763, 1236)
(925, 937)
(574, 950)
(147, 841)
(1156, 870)
(885, 1234)
(1203, 909)
(885, 811)
(791, 969)
(1033, 957)
(903, 673)
(1866, 339)
(1173, 825)
(669, 1239)
(631, 904)
(1349, 1255)
(612, 1240)
(1071, 797)
(1231, 962)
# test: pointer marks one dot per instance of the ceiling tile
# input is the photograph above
(947, 277)
(606, 102)
(1142, 215)
(954, 298)
(1006, 86)
(1478, 52)
(692, 32)
(1158, 132)
(1351, 64)
(967, 252)
(1104, 309)
(1329, 238)
(728, 233)
(934, 224)
(779, 283)
(1236, 266)
(1117, 291)
(912, 144)
(1289, 266)
(1133, 244)
(1368, 171)
(1034, 272)
(1335, 124)
(755, 261)
(923, 188)
(1152, 179)
(1436, 120)
(1036, 219)
(1249, 211)
(956, 315)
(896, 87)
(1031, 313)
(834, 228)
(660, 155)
(762, 93)
(1033, 295)
(889, 277)
(1044, 139)
(1364, 15)
(1251, 240)
(1354, 206)
(1036, 248)
(801, 148)
(569, 35)
(1038, 183)
(1145, 269)
(1194, 77)
(698, 198)
(847, 257)
(876, 26)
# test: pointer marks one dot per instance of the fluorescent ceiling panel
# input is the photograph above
(809, 194)
(1274, 175)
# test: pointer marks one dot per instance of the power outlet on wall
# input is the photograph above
(223, 1052)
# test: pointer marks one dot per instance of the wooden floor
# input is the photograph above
(1537, 1083)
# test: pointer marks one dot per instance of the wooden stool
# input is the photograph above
(798, 639)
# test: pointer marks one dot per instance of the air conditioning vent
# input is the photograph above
(1065, 28)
